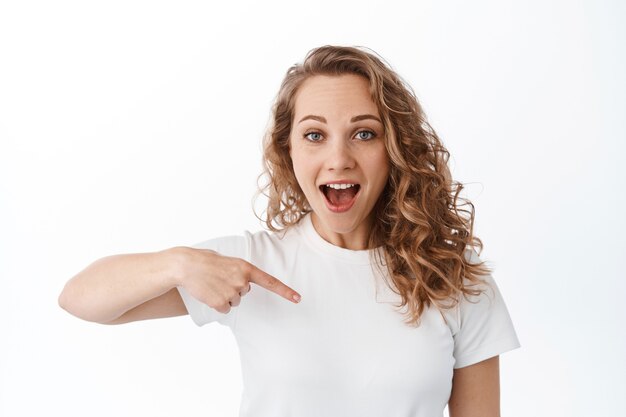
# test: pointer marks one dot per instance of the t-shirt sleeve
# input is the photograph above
(483, 327)
(200, 313)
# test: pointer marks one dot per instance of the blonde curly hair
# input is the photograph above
(419, 225)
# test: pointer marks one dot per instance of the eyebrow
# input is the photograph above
(354, 119)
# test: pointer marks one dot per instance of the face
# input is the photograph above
(337, 137)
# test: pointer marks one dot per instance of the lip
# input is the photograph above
(345, 207)
(340, 182)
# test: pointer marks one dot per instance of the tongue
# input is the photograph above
(341, 197)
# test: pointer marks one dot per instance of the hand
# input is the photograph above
(220, 281)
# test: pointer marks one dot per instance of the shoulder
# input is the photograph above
(282, 238)
(469, 305)
(487, 286)
(232, 245)
(480, 324)
(245, 244)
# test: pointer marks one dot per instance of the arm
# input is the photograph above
(476, 390)
(123, 288)
(113, 285)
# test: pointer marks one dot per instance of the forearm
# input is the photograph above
(110, 286)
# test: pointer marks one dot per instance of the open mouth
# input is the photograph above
(340, 197)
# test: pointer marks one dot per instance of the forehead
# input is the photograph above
(330, 94)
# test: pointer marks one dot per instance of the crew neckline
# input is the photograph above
(357, 257)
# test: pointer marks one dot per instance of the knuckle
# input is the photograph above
(224, 307)
(244, 267)
(242, 285)
(215, 304)
(237, 268)
(219, 303)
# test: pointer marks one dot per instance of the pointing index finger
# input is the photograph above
(273, 284)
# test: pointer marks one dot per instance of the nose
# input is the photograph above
(339, 156)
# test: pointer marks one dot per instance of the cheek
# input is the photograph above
(300, 168)
(295, 163)
(382, 174)
(378, 163)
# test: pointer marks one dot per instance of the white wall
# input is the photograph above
(132, 126)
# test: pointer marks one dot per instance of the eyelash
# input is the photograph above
(373, 135)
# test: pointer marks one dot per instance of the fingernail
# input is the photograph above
(296, 298)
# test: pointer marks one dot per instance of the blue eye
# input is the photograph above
(363, 135)
(367, 132)
(313, 139)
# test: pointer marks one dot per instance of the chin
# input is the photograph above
(338, 222)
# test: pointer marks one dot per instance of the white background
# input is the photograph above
(129, 126)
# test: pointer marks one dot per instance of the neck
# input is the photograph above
(353, 236)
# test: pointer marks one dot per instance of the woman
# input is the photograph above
(364, 219)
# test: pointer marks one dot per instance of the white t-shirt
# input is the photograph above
(344, 350)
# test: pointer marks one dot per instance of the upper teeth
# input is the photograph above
(340, 186)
